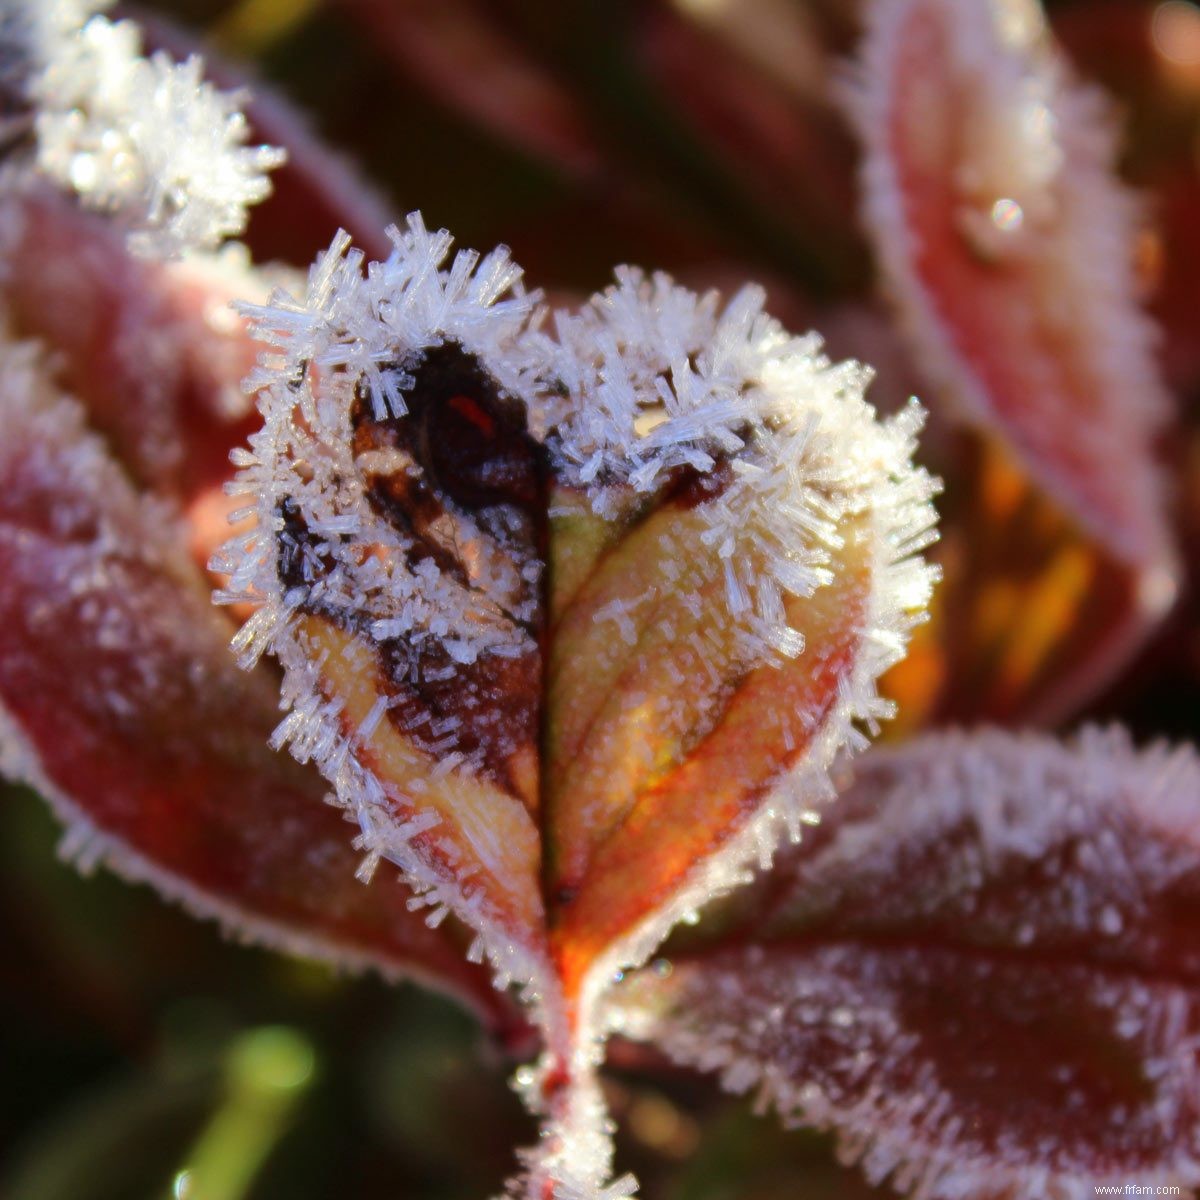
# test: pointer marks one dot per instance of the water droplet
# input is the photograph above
(1007, 215)
(842, 1017)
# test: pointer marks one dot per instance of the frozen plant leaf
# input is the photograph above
(980, 970)
(731, 569)
(1007, 244)
(151, 349)
(574, 620)
(152, 358)
(119, 704)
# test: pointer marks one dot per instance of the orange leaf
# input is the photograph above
(1033, 619)
(688, 750)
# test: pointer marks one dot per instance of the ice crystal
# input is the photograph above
(650, 378)
(353, 339)
(145, 138)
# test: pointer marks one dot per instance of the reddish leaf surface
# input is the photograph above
(661, 754)
(153, 351)
(121, 705)
(982, 970)
(1008, 247)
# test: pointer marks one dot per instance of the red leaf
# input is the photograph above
(152, 350)
(1008, 246)
(120, 704)
(982, 970)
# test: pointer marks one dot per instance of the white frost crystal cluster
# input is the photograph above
(652, 377)
(646, 379)
(352, 337)
(144, 138)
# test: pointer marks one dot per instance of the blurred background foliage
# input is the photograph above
(145, 1058)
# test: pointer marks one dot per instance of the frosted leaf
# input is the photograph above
(979, 970)
(1082, 848)
(395, 566)
(1007, 244)
(145, 138)
(418, 550)
(952, 1077)
(120, 704)
(706, 715)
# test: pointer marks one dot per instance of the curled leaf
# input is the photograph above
(1008, 247)
(980, 970)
